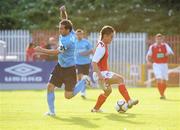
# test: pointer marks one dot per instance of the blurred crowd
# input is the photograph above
(31, 55)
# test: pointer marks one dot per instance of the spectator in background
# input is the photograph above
(52, 44)
(30, 52)
(40, 56)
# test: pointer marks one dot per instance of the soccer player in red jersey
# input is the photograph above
(102, 74)
(158, 54)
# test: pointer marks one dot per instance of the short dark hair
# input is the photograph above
(67, 23)
(106, 30)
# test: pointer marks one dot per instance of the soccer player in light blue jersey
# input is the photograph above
(83, 50)
(65, 71)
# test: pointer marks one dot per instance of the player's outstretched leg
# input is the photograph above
(50, 99)
(101, 99)
(83, 90)
(81, 85)
(72, 88)
(125, 94)
(117, 79)
(83, 93)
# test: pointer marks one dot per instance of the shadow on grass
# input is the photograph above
(77, 121)
(172, 100)
(122, 117)
(89, 100)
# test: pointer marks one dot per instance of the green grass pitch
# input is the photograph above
(24, 110)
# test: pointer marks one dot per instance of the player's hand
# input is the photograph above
(149, 65)
(101, 78)
(62, 8)
(37, 49)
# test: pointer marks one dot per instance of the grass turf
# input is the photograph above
(23, 110)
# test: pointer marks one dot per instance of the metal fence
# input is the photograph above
(2, 50)
(16, 43)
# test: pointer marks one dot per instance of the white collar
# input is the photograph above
(101, 42)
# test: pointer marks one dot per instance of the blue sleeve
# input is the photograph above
(89, 46)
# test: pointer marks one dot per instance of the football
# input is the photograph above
(121, 106)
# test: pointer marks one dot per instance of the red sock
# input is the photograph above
(160, 88)
(101, 99)
(164, 87)
(124, 92)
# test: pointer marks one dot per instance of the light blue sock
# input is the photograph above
(83, 91)
(79, 86)
(50, 100)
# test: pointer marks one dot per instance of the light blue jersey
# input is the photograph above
(66, 59)
(82, 46)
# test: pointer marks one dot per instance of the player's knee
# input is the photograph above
(108, 91)
(68, 96)
(121, 80)
(80, 76)
(50, 87)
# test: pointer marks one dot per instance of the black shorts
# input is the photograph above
(62, 75)
(83, 69)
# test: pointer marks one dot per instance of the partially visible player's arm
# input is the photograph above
(169, 50)
(99, 53)
(149, 57)
(63, 13)
(46, 51)
(95, 68)
(89, 51)
(149, 54)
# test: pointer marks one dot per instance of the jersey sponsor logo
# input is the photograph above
(23, 69)
(160, 55)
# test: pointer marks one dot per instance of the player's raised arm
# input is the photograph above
(63, 13)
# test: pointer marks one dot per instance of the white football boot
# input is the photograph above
(98, 111)
(50, 114)
(132, 103)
